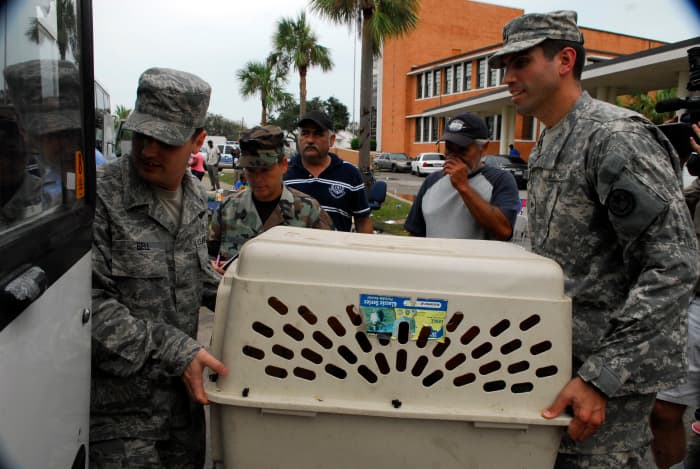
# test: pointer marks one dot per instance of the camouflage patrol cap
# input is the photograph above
(43, 109)
(261, 147)
(170, 105)
(532, 29)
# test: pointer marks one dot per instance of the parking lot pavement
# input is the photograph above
(402, 185)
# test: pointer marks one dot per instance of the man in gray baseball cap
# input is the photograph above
(467, 199)
(605, 203)
(150, 264)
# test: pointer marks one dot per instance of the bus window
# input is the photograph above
(43, 97)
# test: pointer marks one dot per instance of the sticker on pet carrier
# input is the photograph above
(384, 315)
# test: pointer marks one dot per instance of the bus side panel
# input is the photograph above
(48, 340)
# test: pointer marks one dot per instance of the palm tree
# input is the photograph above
(380, 19)
(122, 112)
(266, 79)
(298, 46)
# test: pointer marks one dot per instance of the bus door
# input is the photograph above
(47, 172)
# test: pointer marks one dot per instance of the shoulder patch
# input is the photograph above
(621, 202)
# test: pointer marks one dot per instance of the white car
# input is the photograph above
(426, 163)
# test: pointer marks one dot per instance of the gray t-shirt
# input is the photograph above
(439, 211)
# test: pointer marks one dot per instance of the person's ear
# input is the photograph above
(567, 60)
(331, 140)
(199, 139)
(284, 165)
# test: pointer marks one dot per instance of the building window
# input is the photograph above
(481, 73)
(428, 85)
(493, 123)
(456, 87)
(426, 129)
(448, 80)
(529, 128)
(467, 76)
(436, 83)
(494, 76)
(419, 86)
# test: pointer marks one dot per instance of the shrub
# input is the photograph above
(355, 144)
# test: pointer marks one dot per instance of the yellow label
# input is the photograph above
(79, 175)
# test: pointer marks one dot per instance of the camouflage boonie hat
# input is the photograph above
(170, 105)
(261, 147)
(43, 109)
(532, 29)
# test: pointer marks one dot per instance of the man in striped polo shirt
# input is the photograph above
(336, 184)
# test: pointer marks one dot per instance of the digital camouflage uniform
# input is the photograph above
(237, 220)
(605, 202)
(148, 275)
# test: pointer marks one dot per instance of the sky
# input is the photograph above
(216, 38)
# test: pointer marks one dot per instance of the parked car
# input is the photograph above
(426, 163)
(394, 162)
(513, 164)
(229, 155)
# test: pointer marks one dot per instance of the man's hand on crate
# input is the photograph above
(587, 403)
(193, 374)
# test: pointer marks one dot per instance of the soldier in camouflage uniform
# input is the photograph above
(605, 202)
(149, 266)
(246, 214)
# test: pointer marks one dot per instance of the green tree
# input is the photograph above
(266, 80)
(122, 112)
(645, 104)
(216, 124)
(297, 46)
(287, 117)
(336, 110)
(380, 19)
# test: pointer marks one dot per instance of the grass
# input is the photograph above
(391, 216)
(227, 178)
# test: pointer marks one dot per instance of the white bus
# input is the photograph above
(104, 123)
(47, 190)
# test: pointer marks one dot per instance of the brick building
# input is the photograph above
(440, 69)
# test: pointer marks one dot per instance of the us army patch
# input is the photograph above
(621, 202)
